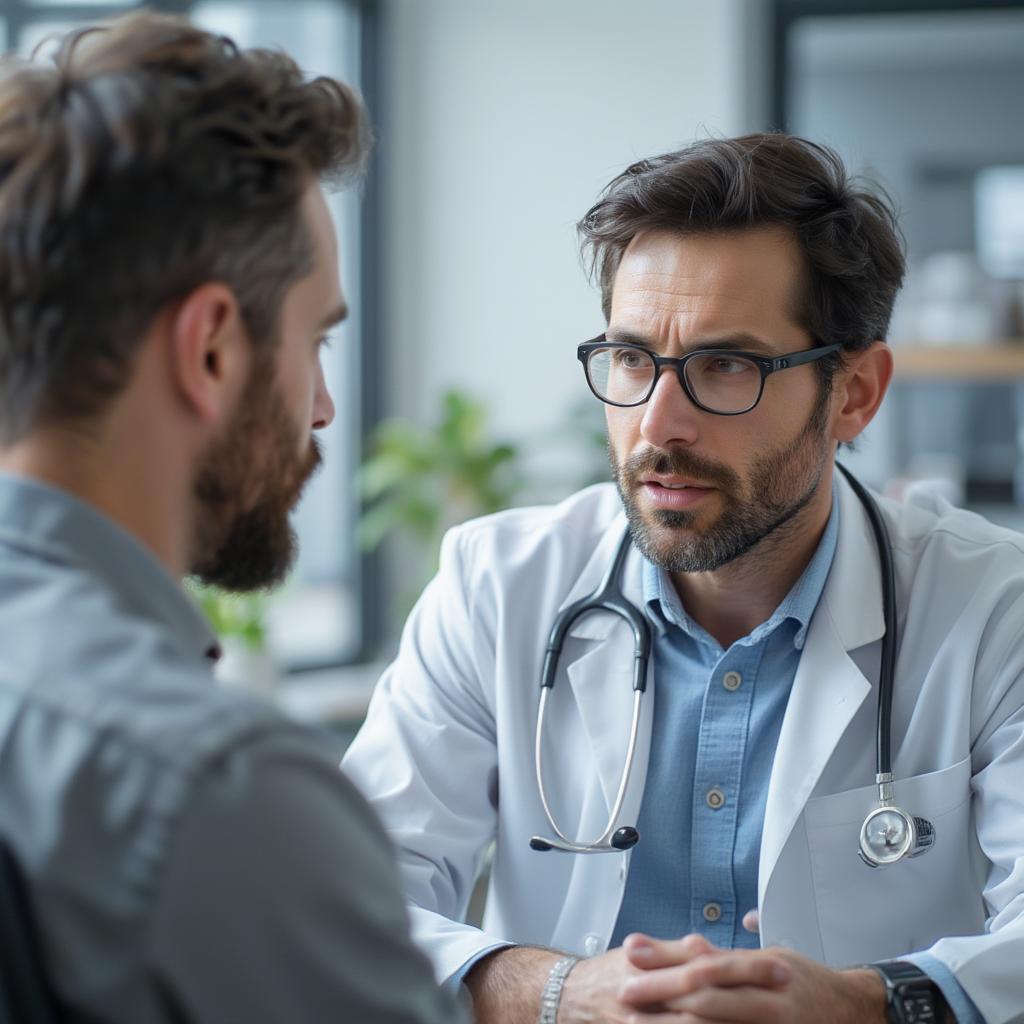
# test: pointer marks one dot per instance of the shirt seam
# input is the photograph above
(48, 702)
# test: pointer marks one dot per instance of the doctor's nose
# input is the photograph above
(670, 417)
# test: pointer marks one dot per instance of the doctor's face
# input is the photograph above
(699, 489)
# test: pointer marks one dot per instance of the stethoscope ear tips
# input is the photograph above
(625, 838)
(540, 845)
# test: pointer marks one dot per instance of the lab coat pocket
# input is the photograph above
(870, 913)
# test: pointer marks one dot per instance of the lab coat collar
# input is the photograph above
(853, 591)
(597, 625)
(828, 688)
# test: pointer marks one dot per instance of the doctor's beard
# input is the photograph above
(783, 483)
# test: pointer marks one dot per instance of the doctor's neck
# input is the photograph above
(732, 601)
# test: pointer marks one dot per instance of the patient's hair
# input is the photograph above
(846, 229)
(144, 158)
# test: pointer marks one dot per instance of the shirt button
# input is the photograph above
(732, 680)
(715, 799)
(712, 912)
(592, 945)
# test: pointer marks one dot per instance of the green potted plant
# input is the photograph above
(416, 481)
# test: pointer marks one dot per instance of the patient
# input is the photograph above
(168, 271)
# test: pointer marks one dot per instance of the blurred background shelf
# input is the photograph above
(999, 362)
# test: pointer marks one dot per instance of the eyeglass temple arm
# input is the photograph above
(811, 355)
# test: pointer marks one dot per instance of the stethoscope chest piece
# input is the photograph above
(889, 834)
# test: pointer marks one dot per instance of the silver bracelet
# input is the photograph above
(552, 994)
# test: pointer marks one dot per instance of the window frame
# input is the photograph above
(786, 13)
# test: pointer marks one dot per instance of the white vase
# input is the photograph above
(246, 668)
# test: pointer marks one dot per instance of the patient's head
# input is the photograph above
(167, 260)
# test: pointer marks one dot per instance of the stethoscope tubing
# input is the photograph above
(890, 643)
(602, 841)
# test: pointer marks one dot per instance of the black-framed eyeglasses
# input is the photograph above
(717, 380)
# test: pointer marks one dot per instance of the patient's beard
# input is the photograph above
(246, 488)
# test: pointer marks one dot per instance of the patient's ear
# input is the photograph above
(209, 351)
(858, 390)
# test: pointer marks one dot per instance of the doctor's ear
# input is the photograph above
(209, 351)
(858, 389)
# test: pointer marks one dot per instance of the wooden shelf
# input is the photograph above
(999, 361)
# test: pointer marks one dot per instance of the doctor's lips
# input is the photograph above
(675, 478)
(673, 492)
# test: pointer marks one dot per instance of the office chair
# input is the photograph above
(25, 995)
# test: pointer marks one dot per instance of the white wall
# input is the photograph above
(501, 122)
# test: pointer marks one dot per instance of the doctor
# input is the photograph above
(747, 285)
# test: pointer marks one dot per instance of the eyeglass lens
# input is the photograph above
(720, 381)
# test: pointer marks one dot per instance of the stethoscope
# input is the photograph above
(888, 834)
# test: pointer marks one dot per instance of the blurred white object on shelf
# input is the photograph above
(999, 221)
(931, 475)
(954, 302)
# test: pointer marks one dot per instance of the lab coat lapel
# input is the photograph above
(600, 678)
(828, 688)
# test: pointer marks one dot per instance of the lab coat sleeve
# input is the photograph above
(963, 1009)
(988, 966)
(426, 756)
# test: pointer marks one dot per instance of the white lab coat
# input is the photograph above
(447, 753)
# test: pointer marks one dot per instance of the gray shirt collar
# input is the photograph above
(42, 521)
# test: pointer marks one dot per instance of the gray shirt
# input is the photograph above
(190, 855)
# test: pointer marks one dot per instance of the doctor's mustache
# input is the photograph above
(675, 462)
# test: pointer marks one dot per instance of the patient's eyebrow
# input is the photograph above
(336, 316)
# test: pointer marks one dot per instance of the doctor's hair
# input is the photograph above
(846, 227)
(142, 159)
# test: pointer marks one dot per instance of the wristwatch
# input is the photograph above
(911, 996)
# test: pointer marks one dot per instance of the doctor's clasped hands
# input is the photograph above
(684, 981)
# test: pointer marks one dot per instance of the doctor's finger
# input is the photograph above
(647, 953)
(714, 971)
(719, 1006)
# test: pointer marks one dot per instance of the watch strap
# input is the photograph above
(911, 995)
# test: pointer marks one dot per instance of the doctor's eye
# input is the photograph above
(631, 359)
(726, 365)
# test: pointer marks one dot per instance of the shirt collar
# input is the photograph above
(41, 520)
(664, 607)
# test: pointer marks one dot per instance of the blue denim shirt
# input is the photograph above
(717, 718)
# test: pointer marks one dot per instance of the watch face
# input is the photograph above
(914, 1002)
(913, 997)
